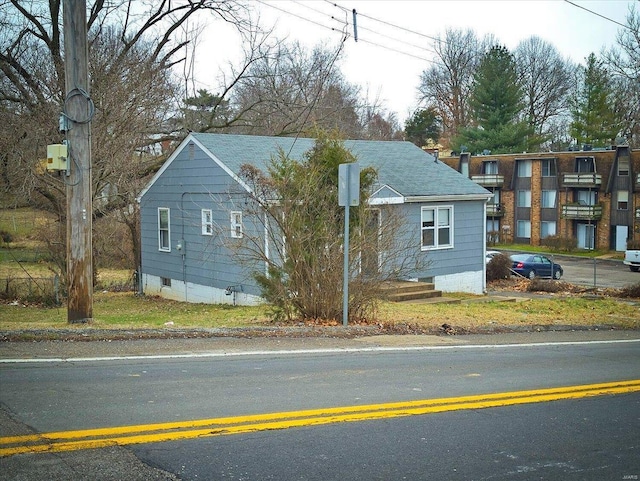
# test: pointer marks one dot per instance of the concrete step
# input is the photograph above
(402, 291)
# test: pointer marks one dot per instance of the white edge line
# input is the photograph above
(309, 351)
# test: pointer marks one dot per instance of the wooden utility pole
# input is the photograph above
(78, 111)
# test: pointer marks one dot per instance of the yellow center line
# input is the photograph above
(173, 431)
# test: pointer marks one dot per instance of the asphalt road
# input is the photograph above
(583, 437)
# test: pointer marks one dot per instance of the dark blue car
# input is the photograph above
(532, 265)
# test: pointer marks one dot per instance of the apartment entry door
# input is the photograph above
(586, 236)
(622, 232)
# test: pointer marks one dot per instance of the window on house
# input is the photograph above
(164, 232)
(548, 168)
(623, 200)
(236, 224)
(623, 166)
(207, 222)
(524, 198)
(524, 168)
(437, 227)
(548, 199)
(547, 229)
(524, 229)
(490, 167)
(165, 282)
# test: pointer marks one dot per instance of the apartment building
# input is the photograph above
(592, 196)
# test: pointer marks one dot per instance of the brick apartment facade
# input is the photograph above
(592, 196)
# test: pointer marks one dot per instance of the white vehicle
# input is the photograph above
(632, 259)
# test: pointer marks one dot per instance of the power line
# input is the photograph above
(598, 14)
(299, 16)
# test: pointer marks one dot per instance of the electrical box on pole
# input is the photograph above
(57, 157)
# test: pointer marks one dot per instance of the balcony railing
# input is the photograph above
(489, 180)
(582, 212)
(581, 179)
(495, 210)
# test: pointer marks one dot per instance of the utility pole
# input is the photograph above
(76, 121)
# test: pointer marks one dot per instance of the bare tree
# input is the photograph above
(293, 90)
(546, 79)
(446, 85)
(623, 61)
(133, 47)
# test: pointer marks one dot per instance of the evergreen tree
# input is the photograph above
(496, 103)
(594, 119)
(423, 127)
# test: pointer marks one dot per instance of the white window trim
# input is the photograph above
(236, 224)
(207, 222)
(436, 245)
(168, 247)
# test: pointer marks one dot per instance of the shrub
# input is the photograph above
(6, 236)
(633, 244)
(544, 285)
(559, 243)
(499, 267)
(630, 291)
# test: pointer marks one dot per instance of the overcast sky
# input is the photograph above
(394, 41)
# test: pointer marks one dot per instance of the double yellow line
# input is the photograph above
(153, 433)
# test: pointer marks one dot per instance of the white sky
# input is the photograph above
(392, 73)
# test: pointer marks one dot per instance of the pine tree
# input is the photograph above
(496, 103)
(594, 118)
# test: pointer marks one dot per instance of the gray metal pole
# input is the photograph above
(345, 280)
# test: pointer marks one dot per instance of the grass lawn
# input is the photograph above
(124, 310)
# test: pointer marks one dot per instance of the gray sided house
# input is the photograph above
(193, 210)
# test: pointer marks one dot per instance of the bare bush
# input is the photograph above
(499, 267)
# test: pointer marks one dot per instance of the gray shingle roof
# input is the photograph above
(400, 165)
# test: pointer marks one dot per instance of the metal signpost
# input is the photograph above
(348, 195)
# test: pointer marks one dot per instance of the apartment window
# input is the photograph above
(548, 168)
(524, 168)
(623, 200)
(623, 166)
(524, 198)
(236, 224)
(524, 229)
(548, 199)
(164, 232)
(490, 167)
(207, 222)
(585, 164)
(437, 223)
(586, 197)
(547, 229)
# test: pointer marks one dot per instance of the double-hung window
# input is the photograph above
(207, 222)
(164, 232)
(437, 227)
(236, 224)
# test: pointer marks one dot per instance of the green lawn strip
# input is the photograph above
(128, 311)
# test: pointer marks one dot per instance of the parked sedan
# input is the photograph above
(532, 265)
